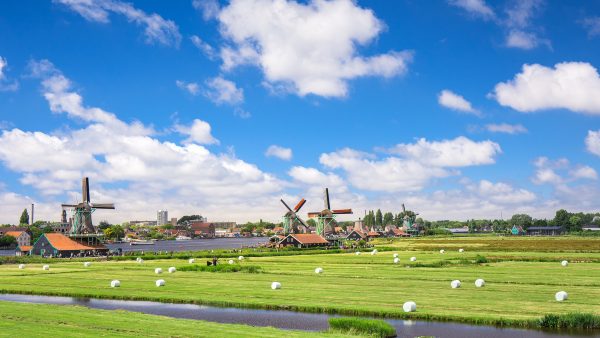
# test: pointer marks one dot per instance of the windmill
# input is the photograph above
(82, 212)
(409, 218)
(326, 218)
(291, 218)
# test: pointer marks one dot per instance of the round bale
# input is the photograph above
(564, 263)
(461, 250)
(455, 284)
(46, 267)
(115, 284)
(409, 306)
(275, 285)
(358, 253)
(191, 261)
(479, 283)
(158, 271)
(160, 282)
(413, 259)
(172, 269)
(241, 258)
(319, 270)
(396, 260)
(87, 264)
(442, 251)
(231, 261)
(21, 266)
(374, 252)
(395, 255)
(561, 296)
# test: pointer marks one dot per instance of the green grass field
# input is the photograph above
(520, 285)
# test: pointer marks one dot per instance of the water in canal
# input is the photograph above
(289, 319)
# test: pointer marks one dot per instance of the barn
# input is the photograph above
(303, 241)
(356, 236)
(59, 245)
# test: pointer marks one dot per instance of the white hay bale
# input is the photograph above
(455, 284)
(396, 260)
(564, 263)
(374, 252)
(172, 269)
(141, 261)
(357, 253)
(158, 271)
(409, 307)
(413, 259)
(46, 267)
(241, 258)
(231, 261)
(115, 283)
(461, 250)
(442, 251)
(21, 266)
(160, 282)
(319, 270)
(479, 283)
(191, 261)
(561, 296)
(275, 285)
(87, 264)
(395, 255)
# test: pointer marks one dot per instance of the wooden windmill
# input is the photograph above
(82, 212)
(326, 218)
(291, 221)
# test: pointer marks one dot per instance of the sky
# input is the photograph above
(459, 109)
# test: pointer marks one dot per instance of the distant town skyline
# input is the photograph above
(458, 109)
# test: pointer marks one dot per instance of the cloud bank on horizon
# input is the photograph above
(217, 113)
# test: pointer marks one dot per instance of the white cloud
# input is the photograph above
(569, 85)
(4, 85)
(560, 172)
(209, 8)
(314, 177)
(506, 128)
(593, 25)
(279, 152)
(156, 28)
(204, 47)
(584, 172)
(311, 48)
(454, 101)
(521, 39)
(502, 193)
(475, 7)
(458, 152)
(191, 87)
(198, 132)
(592, 142)
(220, 90)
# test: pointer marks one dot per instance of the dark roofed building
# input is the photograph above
(356, 236)
(303, 240)
(545, 231)
(202, 229)
(59, 245)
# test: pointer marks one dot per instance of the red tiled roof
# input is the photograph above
(310, 239)
(62, 242)
(373, 234)
(14, 234)
(25, 247)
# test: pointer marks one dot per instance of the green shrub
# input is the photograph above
(222, 268)
(362, 326)
(481, 259)
(573, 320)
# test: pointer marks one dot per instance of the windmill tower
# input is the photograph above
(82, 226)
(409, 219)
(291, 221)
(326, 218)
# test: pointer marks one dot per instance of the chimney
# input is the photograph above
(32, 209)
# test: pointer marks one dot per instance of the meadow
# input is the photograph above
(521, 275)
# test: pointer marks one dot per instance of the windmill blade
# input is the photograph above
(102, 205)
(287, 206)
(68, 205)
(301, 221)
(299, 205)
(85, 189)
(342, 211)
(327, 204)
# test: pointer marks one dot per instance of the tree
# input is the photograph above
(7, 241)
(114, 232)
(103, 225)
(24, 217)
(562, 218)
(522, 220)
(575, 223)
(311, 222)
(388, 218)
(189, 218)
(378, 218)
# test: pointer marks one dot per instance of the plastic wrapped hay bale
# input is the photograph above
(479, 283)
(374, 252)
(87, 264)
(160, 282)
(358, 253)
(115, 284)
(191, 261)
(46, 267)
(21, 266)
(455, 284)
(172, 269)
(413, 259)
(231, 261)
(442, 251)
(319, 270)
(564, 263)
(158, 271)
(395, 255)
(561, 296)
(141, 261)
(461, 250)
(241, 258)
(396, 260)
(409, 307)
(275, 285)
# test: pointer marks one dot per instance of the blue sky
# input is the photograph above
(460, 109)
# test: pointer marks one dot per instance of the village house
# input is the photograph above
(23, 238)
(59, 245)
(202, 229)
(356, 236)
(303, 241)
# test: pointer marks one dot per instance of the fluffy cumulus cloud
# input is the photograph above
(308, 48)
(131, 166)
(506, 128)
(5, 84)
(502, 193)
(191, 87)
(156, 28)
(568, 85)
(476, 8)
(448, 99)
(561, 172)
(279, 152)
(592, 142)
(208, 8)
(220, 90)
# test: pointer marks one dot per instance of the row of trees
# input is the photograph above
(380, 219)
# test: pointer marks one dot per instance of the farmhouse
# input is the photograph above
(303, 241)
(22, 237)
(59, 245)
(23, 250)
(517, 230)
(545, 231)
(356, 236)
